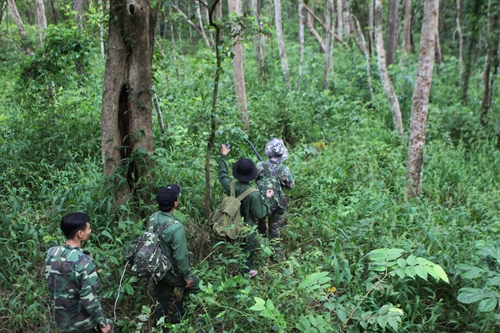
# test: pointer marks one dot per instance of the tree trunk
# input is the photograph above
(200, 24)
(54, 14)
(281, 42)
(127, 137)
(460, 44)
(392, 32)
(472, 45)
(101, 29)
(20, 26)
(301, 42)
(259, 38)
(77, 6)
(326, 57)
(346, 13)
(41, 21)
(366, 54)
(490, 53)
(407, 30)
(414, 166)
(212, 42)
(174, 49)
(340, 25)
(200, 31)
(438, 54)
(234, 6)
(370, 25)
(312, 30)
(384, 76)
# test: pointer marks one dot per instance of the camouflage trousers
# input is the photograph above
(273, 226)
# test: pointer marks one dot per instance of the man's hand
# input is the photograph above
(189, 283)
(106, 329)
(224, 150)
(270, 193)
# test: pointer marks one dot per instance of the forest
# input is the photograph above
(389, 109)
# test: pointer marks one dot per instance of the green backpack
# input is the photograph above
(226, 219)
(270, 181)
(145, 253)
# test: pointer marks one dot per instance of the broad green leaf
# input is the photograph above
(421, 271)
(258, 307)
(382, 321)
(422, 261)
(471, 295)
(487, 305)
(305, 323)
(495, 281)
(393, 254)
(473, 273)
(441, 273)
(401, 272)
(313, 320)
(410, 271)
(396, 310)
(411, 260)
(309, 281)
(401, 262)
(270, 304)
(393, 322)
(259, 301)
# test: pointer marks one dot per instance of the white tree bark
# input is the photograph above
(420, 104)
(281, 42)
(17, 18)
(460, 44)
(392, 32)
(314, 32)
(193, 25)
(301, 42)
(101, 29)
(239, 73)
(340, 25)
(370, 25)
(201, 28)
(41, 20)
(326, 57)
(365, 53)
(259, 38)
(407, 29)
(384, 76)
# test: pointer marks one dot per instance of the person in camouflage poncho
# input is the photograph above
(277, 154)
(73, 282)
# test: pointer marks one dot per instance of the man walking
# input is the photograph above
(274, 169)
(173, 244)
(253, 207)
(73, 282)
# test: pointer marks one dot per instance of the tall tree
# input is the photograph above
(420, 103)
(301, 42)
(239, 73)
(384, 76)
(370, 25)
(392, 32)
(127, 134)
(77, 6)
(41, 21)
(259, 37)
(340, 25)
(281, 42)
(25, 44)
(407, 29)
(460, 43)
(474, 14)
(326, 57)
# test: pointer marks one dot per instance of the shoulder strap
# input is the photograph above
(246, 193)
(233, 194)
(162, 227)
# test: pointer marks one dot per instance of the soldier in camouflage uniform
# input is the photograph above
(73, 282)
(173, 244)
(277, 154)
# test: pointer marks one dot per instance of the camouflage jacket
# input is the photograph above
(173, 244)
(74, 289)
(282, 172)
(254, 206)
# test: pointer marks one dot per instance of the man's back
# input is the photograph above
(73, 286)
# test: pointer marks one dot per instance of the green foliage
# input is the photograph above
(333, 274)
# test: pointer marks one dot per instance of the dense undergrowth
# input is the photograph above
(350, 196)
